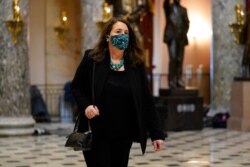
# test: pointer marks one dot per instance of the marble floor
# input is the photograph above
(206, 148)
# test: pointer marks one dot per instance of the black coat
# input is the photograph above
(148, 120)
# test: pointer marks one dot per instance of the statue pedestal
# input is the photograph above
(184, 109)
(240, 105)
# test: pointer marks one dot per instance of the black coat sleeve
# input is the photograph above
(80, 85)
(152, 116)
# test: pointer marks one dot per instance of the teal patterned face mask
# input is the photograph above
(120, 41)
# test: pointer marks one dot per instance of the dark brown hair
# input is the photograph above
(134, 51)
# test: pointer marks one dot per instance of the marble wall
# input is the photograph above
(53, 63)
(15, 117)
(62, 58)
(14, 72)
(226, 55)
(91, 13)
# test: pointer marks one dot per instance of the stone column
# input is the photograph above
(15, 117)
(91, 13)
(226, 55)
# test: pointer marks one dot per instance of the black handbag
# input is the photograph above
(81, 141)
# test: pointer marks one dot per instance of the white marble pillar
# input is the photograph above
(226, 55)
(91, 13)
(15, 117)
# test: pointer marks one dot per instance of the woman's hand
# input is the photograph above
(91, 111)
(158, 145)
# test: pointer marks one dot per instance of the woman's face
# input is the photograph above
(119, 28)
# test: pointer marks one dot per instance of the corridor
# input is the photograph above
(206, 148)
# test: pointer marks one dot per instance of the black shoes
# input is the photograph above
(180, 84)
(174, 85)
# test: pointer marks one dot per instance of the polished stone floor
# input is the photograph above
(206, 148)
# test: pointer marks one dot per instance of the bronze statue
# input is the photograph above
(175, 36)
(245, 40)
(132, 11)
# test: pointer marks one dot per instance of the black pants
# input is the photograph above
(176, 56)
(108, 152)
